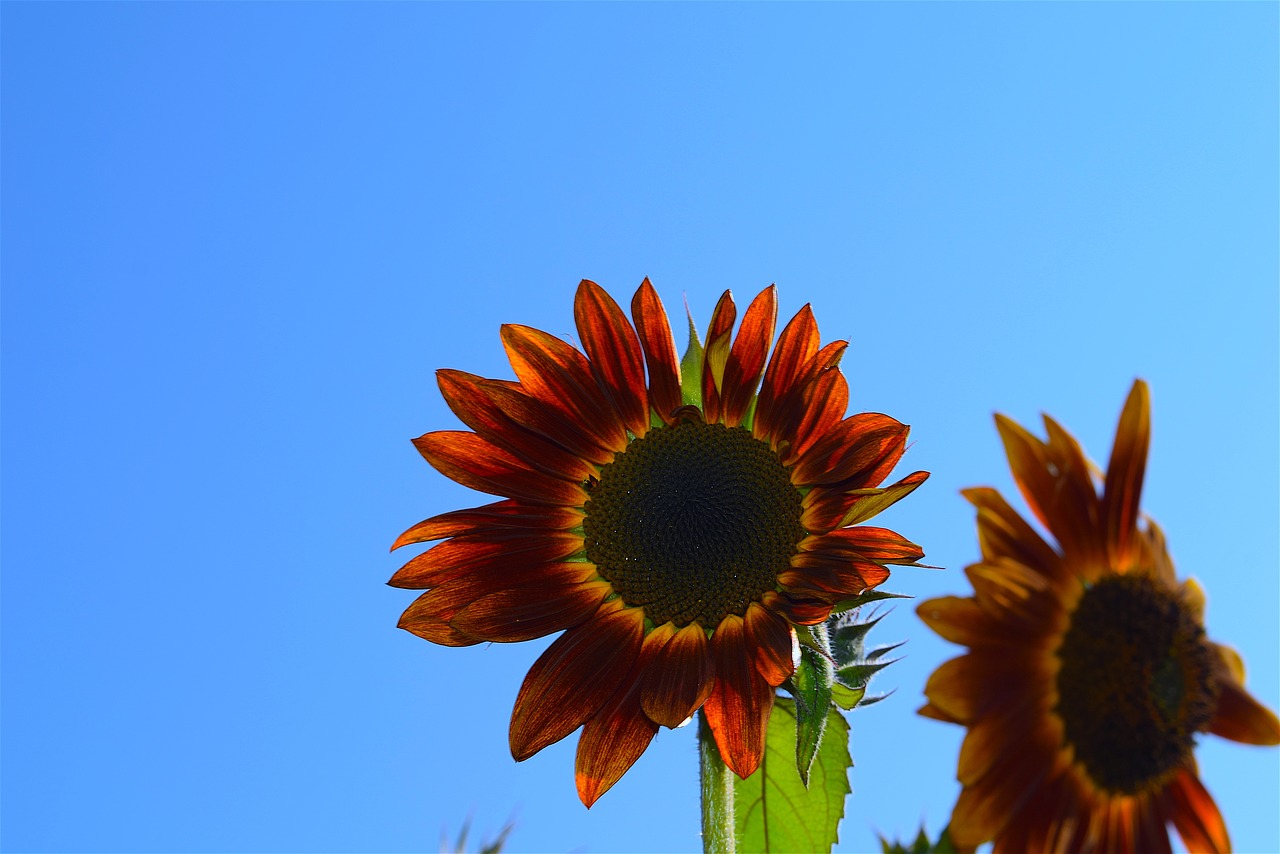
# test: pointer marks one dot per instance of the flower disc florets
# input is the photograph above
(1136, 682)
(693, 522)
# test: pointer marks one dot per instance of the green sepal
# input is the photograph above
(845, 697)
(858, 675)
(880, 651)
(773, 809)
(864, 598)
(873, 699)
(492, 846)
(814, 637)
(854, 665)
(811, 686)
(691, 368)
(847, 639)
(921, 845)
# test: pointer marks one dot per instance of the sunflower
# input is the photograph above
(1088, 673)
(676, 531)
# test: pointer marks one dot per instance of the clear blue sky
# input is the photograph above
(239, 238)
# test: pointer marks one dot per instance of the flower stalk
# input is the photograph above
(717, 794)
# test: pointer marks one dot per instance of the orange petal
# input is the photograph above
(527, 612)
(769, 637)
(1123, 490)
(1006, 581)
(533, 603)
(1016, 595)
(963, 621)
(458, 592)
(614, 351)
(1113, 826)
(548, 421)
(1047, 487)
(966, 687)
(1068, 829)
(929, 710)
(501, 514)
(1121, 821)
(823, 402)
(559, 376)
(857, 453)
(610, 744)
(1004, 533)
(746, 359)
(739, 706)
(1030, 826)
(1193, 600)
(1153, 552)
(828, 357)
(983, 809)
(829, 576)
(469, 400)
(659, 350)
(823, 509)
(876, 501)
(795, 348)
(680, 678)
(437, 631)
(574, 677)
(790, 407)
(481, 553)
(423, 619)
(1242, 718)
(1195, 815)
(1052, 820)
(716, 355)
(615, 737)
(878, 544)
(1002, 729)
(1150, 828)
(799, 609)
(479, 464)
(1075, 488)
(1227, 656)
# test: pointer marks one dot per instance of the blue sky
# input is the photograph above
(238, 239)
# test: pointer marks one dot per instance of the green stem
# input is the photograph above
(717, 794)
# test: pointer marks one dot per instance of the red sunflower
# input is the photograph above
(1088, 674)
(676, 531)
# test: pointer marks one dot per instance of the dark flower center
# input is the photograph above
(1136, 682)
(693, 522)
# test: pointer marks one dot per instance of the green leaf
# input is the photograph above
(774, 811)
(691, 369)
(811, 686)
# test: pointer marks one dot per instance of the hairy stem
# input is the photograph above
(717, 794)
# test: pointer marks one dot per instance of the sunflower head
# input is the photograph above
(1089, 673)
(676, 520)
